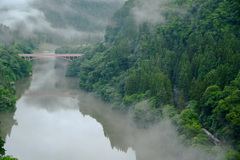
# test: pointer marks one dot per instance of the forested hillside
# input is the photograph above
(183, 61)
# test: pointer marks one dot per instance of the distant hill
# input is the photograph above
(82, 15)
(6, 34)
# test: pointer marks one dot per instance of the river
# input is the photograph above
(55, 120)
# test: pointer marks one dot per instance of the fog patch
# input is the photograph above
(162, 142)
(155, 11)
(15, 12)
(150, 11)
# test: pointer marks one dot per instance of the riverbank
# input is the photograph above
(12, 69)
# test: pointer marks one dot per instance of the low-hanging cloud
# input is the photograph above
(150, 11)
(27, 18)
(20, 15)
(17, 11)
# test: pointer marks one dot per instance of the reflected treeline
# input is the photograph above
(21, 86)
(7, 122)
(116, 126)
(50, 103)
(7, 119)
(53, 91)
(60, 63)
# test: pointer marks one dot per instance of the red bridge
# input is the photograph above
(69, 57)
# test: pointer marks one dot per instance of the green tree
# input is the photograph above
(8, 158)
(2, 150)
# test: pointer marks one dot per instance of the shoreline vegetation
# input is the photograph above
(12, 69)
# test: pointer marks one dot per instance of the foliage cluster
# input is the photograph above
(8, 158)
(193, 58)
(2, 150)
(12, 68)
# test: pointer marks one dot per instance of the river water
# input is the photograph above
(54, 120)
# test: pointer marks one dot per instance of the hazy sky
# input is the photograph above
(17, 13)
(16, 10)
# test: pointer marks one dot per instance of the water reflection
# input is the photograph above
(7, 119)
(7, 122)
(22, 85)
(116, 126)
(49, 88)
(50, 125)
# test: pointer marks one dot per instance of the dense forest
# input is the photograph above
(184, 64)
(12, 68)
